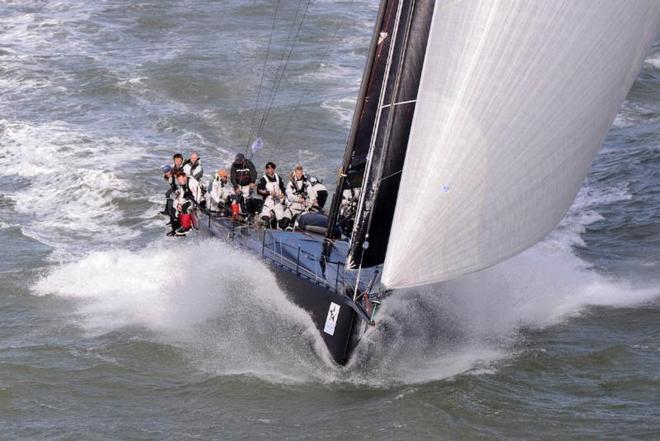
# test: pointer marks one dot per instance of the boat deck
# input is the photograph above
(299, 252)
(315, 280)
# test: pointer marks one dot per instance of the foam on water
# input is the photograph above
(470, 323)
(583, 212)
(341, 108)
(4, 225)
(219, 305)
(222, 308)
(71, 180)
(29, 31)
(225, 311)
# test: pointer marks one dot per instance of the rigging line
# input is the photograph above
(263, 74)
(283, 71)
(279, 66)
(276, 67)
(391, 175)
(290, 44)
(309, 88)
(282, 74)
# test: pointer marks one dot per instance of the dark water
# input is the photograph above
(110, 331)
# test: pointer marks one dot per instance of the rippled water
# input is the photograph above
(110, 331)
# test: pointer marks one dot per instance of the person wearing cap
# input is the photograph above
(243, 175)
(271, 188)
(220, 192)
(193, 167)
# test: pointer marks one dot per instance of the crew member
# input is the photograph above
(271, 188)
(193, 167)
(178, 163)
(347, 209)
(188, 194)
(168, 175)
(220, 193)
(243, 175)
(318, 193)
(297, 192)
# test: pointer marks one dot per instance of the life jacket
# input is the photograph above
(186, 192)
(191, 190)
(272, 185)
(193, 170)
(302, 190)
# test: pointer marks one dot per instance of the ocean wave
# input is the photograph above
(220, 306)
(72, 181)
(342, 108)
(474, 322)
(226, 314)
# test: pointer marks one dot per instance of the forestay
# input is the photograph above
(515, 100)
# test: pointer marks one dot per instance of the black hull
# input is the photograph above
(319, 285)
(316, 301)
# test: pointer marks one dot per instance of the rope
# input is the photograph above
(309, 88)
(279, 64)
(263, 74)
(280, 77)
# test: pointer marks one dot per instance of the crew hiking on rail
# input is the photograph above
(264, 201)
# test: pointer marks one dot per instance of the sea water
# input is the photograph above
(110, 330)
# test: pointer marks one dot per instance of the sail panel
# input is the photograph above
(514, 102)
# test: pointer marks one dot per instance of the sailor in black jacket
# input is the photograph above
(170, 194)
(243, 175)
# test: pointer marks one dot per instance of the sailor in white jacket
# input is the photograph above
(193, 167)
(318, 193)
(220, 191)
(188, 194)
(298, 194)
(271, 188)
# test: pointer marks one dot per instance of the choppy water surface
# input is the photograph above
(110, 331)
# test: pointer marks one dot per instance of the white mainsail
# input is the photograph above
(515, 99)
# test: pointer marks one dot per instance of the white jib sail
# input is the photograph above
(515, 99)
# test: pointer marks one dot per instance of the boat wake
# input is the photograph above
(226, 313)
(471, 323)
(468, 324)
(222, 307)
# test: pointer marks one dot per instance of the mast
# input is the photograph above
(362, 115)
(381, 125)
(390, 138)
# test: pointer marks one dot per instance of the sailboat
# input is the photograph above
(474, 128)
